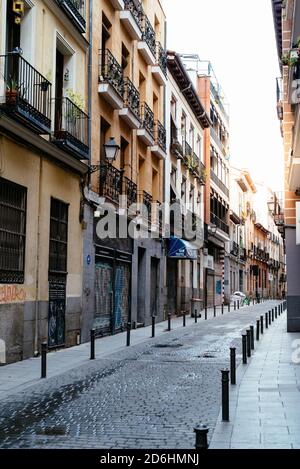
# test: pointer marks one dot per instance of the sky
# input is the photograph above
(238, 37)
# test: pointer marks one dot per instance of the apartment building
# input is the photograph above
(216, 207)
(43, 153)
(287, 30)
(124, 277)
(185, 178)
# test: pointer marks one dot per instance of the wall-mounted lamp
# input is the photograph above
(18, 9)
(67, 75)
(111, 149)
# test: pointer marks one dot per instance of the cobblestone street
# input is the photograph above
(151, 395)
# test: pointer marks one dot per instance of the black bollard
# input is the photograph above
(272, 314)
(261, 324)
(44, 360)
(234, 305)
(248, 343)
(201, 437)
(238, 304)
(276, 312)
(153, 326)
(252, 337)
(196, 316)
(225, 395)
(215, 311)
(169, 322)
(244, 348)
(205, 313)
(222, 309)
(233, 365)
(257, 329)
(128, 334)
(267, 320)
(270, 318)
(93, 334)
(183, 318)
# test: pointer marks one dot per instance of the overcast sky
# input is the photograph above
(238, 37)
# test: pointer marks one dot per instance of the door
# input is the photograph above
(210, 290)
(104, 296)
(172, 273)
(58, 253)
(121, 296)
(59, 83)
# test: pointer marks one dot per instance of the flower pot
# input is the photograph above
(45, 86)
(11, 96)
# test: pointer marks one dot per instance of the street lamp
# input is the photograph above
(111, 149)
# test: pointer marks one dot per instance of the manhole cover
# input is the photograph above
(168, 345)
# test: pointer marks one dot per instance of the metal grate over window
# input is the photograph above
(58, 237)
(12, 231)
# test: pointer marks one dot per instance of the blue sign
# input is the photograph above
(88, 260)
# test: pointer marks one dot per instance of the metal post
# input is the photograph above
(169, 322)
(233, 365)
(272, 314)
(128, 334)
(261, 324)
(153, 326)
(201, 437)
(196, 316)
(222, 309)
(205, 313)
(44, 360)
(238, 304)
(276, 312)
(93, 333)
(225, 395)
(257, 329)
(244, 347)
(183, 318)
(248, 343)
(234, 305)
(267, 321)
(252, 337)
(270, 318)
(215, 311)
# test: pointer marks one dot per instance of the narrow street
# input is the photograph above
(150, 395)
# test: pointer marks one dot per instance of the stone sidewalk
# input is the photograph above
(264, 406)
(20, 375)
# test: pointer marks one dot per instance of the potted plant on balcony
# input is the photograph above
(12, 90)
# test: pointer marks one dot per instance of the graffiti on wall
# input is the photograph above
(12, 294)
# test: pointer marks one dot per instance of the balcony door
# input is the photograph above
(59, 86)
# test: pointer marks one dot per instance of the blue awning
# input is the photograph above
(181, 249)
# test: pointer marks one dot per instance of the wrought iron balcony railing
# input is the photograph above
(149, 35)
(203, 174)
(75, 10)
(130, 190)
(222, 225)
(110, 71)
(136, 9)
(147, 119)
(234, 250)
(160, 136)
(188, 151)
(132, 98)
(147, 201)
(25, 93)
(219, 183)
(162, 58)
(110, 183)
(71, 127)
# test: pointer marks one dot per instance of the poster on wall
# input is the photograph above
(298, 223)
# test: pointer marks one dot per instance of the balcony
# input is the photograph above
(187, 154)
(202, 174)
(25, 95)
(218, 141)
(117, 4)
(234, 249)
(71, 128)
(132, 18)
(146, 201)
(131, 112)
(130, 190)
(159, 70)
(110, 182)
(75, 10)
(222, 225)
(160, 144)
(147, 46)
(219, 183)
(146, 131)
(111, 81)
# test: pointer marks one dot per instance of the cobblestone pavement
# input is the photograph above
(150, 396)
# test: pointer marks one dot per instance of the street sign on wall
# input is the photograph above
(297, 222)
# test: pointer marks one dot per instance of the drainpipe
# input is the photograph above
(37, 270)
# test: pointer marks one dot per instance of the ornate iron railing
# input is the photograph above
(162, 58)
(136, 9)
(219, 223)
(149, 35)
(202, 174)
(75, 9)
(26, 93)
(110, 182)
(147, 200)
(147, 119)
(132, 98)
(71, 126)
(110, 71)
(160, 136)
(188, 151)
(130, 190)
(219, 183)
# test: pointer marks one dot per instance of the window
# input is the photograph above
(58, 237)
(12, 231)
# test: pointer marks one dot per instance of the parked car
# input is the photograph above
(238, 296)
